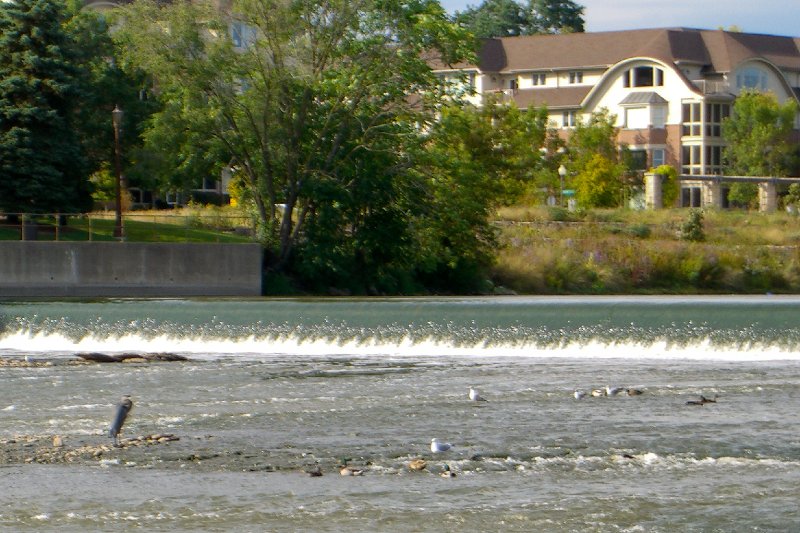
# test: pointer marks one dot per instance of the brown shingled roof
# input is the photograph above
(716, 50)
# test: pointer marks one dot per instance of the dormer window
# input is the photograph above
(539, 78)
(643, 77)
(575, 77)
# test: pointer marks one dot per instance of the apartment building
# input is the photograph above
(670, 88)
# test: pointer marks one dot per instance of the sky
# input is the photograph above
(775, 17)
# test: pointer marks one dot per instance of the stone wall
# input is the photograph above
(89, 269)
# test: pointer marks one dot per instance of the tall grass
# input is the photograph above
(619, 251)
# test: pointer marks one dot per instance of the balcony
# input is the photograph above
(713, 87)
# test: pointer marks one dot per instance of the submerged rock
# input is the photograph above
(98, 357)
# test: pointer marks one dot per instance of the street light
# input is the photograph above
(562, 173)
(116, 118)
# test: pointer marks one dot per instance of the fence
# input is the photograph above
(136, 227)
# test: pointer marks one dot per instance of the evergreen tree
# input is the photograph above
(42, 164)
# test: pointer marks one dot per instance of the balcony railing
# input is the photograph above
(712, 87)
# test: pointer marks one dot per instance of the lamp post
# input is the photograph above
(116, 118)
(562, 173)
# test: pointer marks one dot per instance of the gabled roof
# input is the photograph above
(715, 50)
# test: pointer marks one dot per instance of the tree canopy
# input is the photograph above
(43, 165)
(508, 18)
(322, 110)
(758, 136)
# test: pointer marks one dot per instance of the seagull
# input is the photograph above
(123, 409)
(579, 394)
(613, 391)
(475, 396)
(598, 392)
(437, 446)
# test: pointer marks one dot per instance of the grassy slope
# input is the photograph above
(620, 251)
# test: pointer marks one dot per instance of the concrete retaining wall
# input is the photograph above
(48, 269)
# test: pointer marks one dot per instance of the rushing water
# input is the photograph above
(275, 387)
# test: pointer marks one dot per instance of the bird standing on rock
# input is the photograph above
(123, 409)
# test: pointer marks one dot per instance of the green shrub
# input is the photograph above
(692, 229)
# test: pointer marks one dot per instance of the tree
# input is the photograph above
(104, 85)
(473, 161)
(507, 18)
(316, 110)
(42, 163)
(555, 16)
(594, 159)
(495, 18)
(758, 134)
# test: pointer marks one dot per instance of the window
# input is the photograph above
(568, 119)
(715, 114)
(643, 77)
(659, 116)
(638, 159)
(691, 119)
(540, 78)
(751, 78)
(690, 160)
(242, 35)
(512, 84)
(575, 77)
(713, 159)
(637, 118)
(658, 157)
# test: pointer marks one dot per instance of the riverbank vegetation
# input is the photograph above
(552, 251)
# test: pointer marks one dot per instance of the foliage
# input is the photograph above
(314, 111)
(495, 18)
(473, 161)
(743, 195)
(593, 158)
(555, 16)
(692, 229)
(758, 134)
(506, 18)
(598, 184)
(43, 167)
(670, 187)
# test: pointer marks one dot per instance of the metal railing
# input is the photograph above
(137, 227)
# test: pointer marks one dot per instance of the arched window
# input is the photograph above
(751, 78)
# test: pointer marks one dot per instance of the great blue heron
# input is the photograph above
(123, 409)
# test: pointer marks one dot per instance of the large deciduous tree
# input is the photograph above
(507, 18)
(758, 136)
(595, 162)
(473, 161)
(42, 162)
(315, 105)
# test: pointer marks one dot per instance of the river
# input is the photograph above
(275, 388)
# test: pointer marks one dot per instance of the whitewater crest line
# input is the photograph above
(264, 347)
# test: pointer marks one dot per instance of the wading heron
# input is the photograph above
(123, 409)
